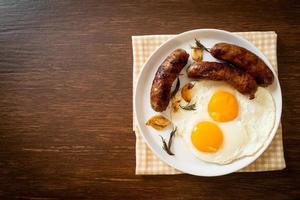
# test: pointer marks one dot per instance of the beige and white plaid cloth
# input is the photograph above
(147, 162)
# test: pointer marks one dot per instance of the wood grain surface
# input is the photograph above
(66, 97)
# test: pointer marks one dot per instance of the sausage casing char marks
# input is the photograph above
(245, 60)
(239, 79)
(165, 76)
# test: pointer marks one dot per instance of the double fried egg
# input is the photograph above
(222, 125)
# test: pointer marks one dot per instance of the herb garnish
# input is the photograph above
(201, 46)
(167, 147)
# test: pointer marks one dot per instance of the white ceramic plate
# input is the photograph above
(183, 159)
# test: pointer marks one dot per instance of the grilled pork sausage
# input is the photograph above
(164, 78)
(245, 60)
(239, 79)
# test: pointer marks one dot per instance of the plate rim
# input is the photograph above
(251, 158)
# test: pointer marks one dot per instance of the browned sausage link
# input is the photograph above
(244, 59)
(164, 78)
(239, 79)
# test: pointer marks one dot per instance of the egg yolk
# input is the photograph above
(223, 106)
(207, 137)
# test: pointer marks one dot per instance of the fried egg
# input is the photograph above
(223, 125)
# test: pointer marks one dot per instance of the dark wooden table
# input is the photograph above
(66, 97)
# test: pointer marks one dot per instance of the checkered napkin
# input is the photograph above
(147, 162)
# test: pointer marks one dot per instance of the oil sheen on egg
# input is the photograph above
(225, 125)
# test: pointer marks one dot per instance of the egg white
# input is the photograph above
(243, 136)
